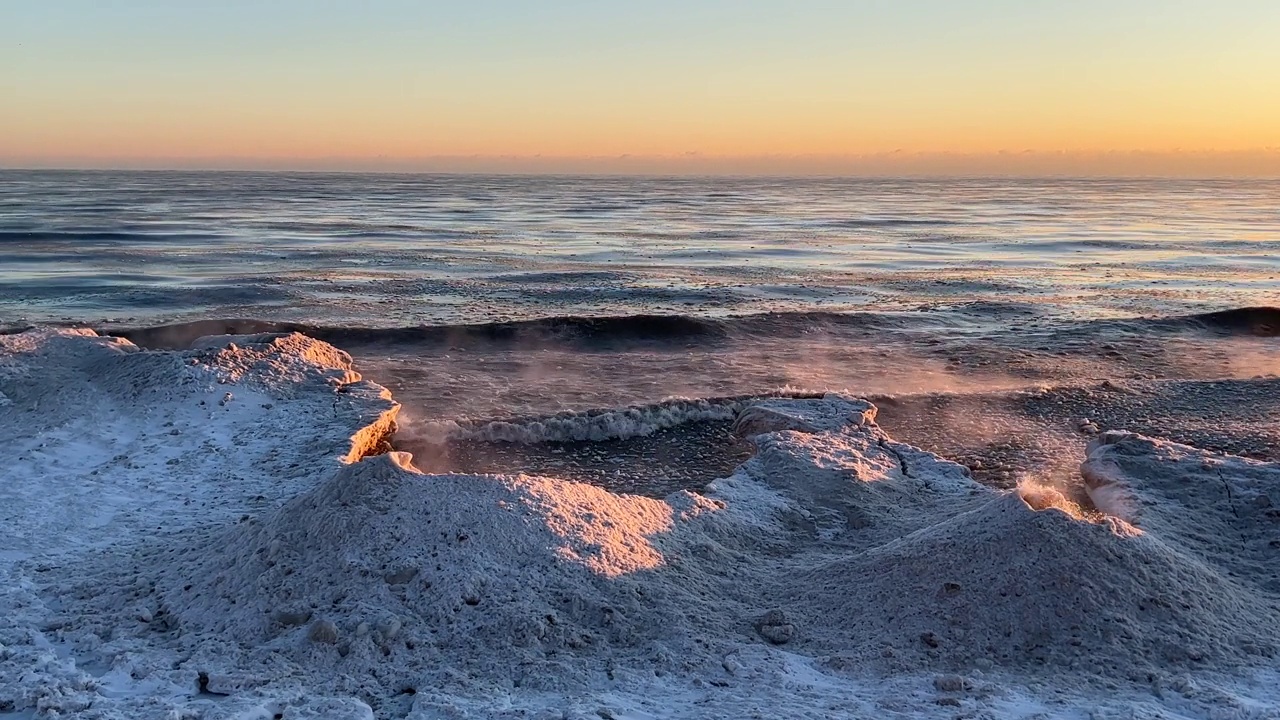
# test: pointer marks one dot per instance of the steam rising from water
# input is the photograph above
(595, 416)
(594, 397)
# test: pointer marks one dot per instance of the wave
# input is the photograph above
(601, 332)
(572, 330)
(1261, 321)
(588, 425)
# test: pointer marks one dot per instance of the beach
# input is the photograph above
(352, 446)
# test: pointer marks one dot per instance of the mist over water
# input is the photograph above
(1008, 403)
(983, 315)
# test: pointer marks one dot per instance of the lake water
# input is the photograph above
(397, 250)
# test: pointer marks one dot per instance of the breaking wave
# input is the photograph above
(604, 331)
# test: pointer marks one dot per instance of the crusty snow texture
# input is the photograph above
(312, 581)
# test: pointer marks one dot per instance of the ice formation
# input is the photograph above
(218, 532)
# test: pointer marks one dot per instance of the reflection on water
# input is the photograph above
(422, 249)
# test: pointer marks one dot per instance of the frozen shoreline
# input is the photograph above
(194, 534)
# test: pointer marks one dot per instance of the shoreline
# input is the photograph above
(824, 482)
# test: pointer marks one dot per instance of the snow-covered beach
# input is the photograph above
(217, 532)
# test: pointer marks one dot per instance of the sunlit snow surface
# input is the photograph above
(204, 533)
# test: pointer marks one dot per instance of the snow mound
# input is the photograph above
(831, 413)
(105, 438)
(53, 377)
(853, 487)
(413, 573)
(1223, 509)
(940, 572)
(1010, 586)
(390, 578)
(271, 561)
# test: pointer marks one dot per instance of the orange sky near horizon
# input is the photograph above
(97, 88)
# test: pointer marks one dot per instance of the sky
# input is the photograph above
(744, 86)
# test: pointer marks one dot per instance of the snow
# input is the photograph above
(206, 534)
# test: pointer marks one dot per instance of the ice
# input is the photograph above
(217, 533)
